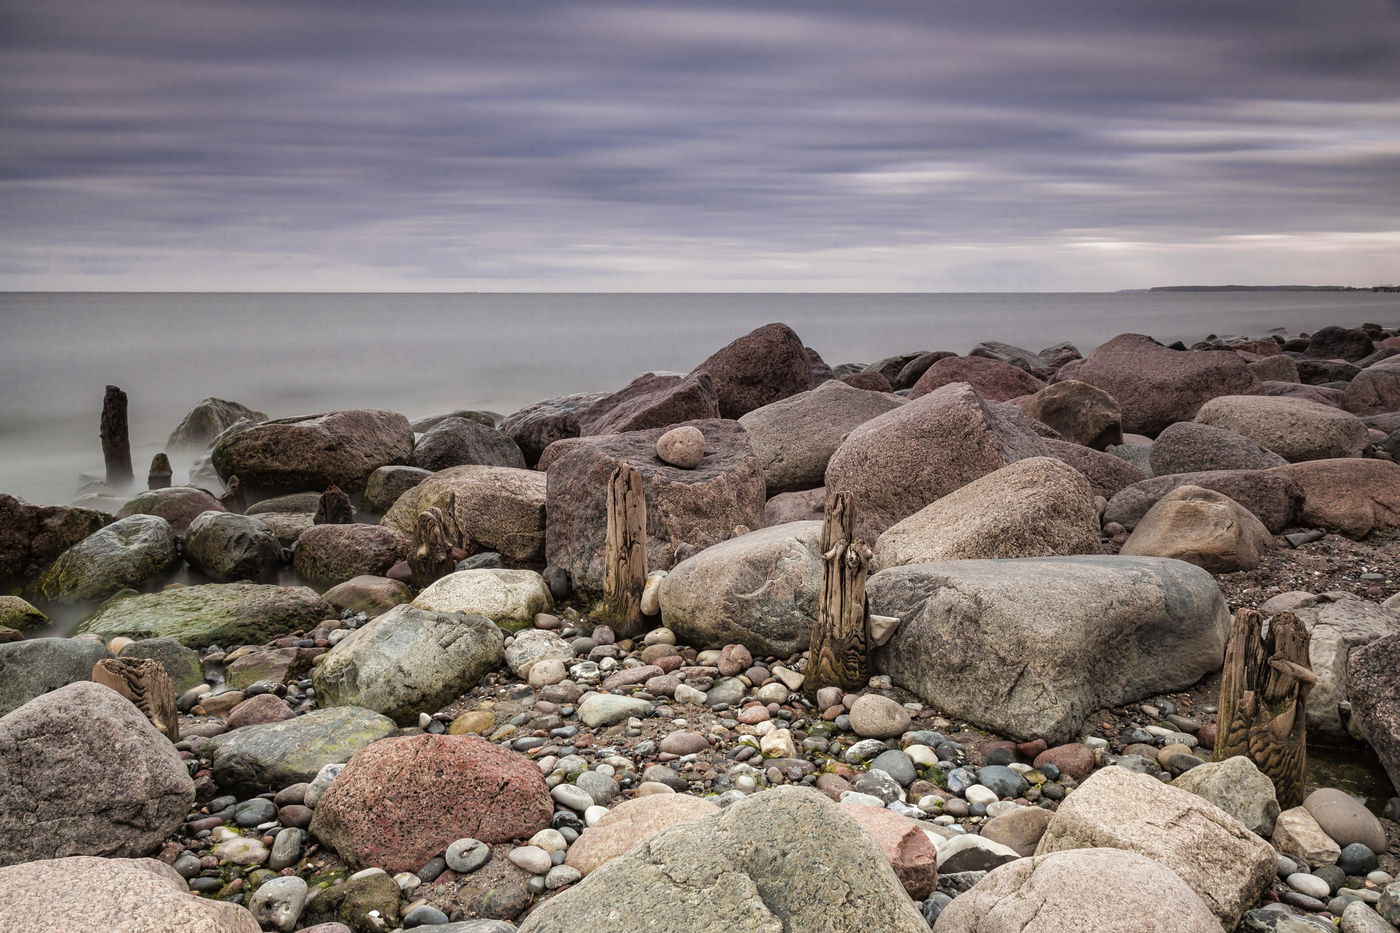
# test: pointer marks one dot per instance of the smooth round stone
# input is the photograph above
(1002, 781)
(593, 814)
(467, 855)
(560, 875)
(600, 787)
(1001, 807)
(864, 750)
(423, 916)
(683, 447)
(286, 849)
(1333, 875)
(921, 755)
(896, 764)
(1357, 859)
(772, 693)
(550, 840)
(241, 850)
(278, 902)
(1311, 885)
(685, 742)
(978, 795)
(255, 812)
(573, 797)
(960, 779)
(532, 859)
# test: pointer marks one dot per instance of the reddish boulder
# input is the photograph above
(1375, 390)
(401, 801)
(254, 711)
(916, 367)
(1190, 447)
(652, 400)
(1339, 343)
(536, 426)
(32, 536)
(336, 553)
(1108, 475)
(1351, 495)
(1373, 686)
(1075, 760)
(1021, 359)
(339, 448)
(178, 505)
(760, 367)
(804, 506)
(992, 379)
(871, 382)
(1320, 394)
(1078, 412)
(1273, 496)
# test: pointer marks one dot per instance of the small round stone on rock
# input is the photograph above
(682, 447)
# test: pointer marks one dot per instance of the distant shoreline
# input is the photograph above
(1267, 288)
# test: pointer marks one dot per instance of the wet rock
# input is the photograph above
(386, 484)
(495, 509)
(330, 554)
(372, 595)
(32, 536)
(124, 554)
(35, 666)
(272, 756)
(179, 505)
(339, 448)
(213, 613)
(227, 547)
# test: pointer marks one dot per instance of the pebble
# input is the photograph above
(278, 902)
(897, 764)
(286, 849)
(1357, 859)
(532, 859)
(874, 716)
(550, 840)
(467, 855)
(978, 794)
(560, 875)
(424, 915)
(1311, 885)
(575, 798)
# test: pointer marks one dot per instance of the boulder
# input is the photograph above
(805, 506)
(687, 509)
(652, 400)
(208, 420)
(631, 823)
(1019, 829)
(408, 661)
(336, 553)
(1108, 474)
(400, 802)
(1375, 390)
(1276, 368)
(871, 382)
(820, 370)
(794, 438)
(183, 665)
(114, 895)
(1156, 386)
(899, 462)
(785, 859)
(1202, 527)
(905, 844)
(1344, 818)
(891, 366)
(1215, 854)
(1030, 647)
(760, 367)
(34, 666)
(227, 547)
(212, 613)
(386, 484)
(291, 503)
(18, 614)
(759, 590)
(499, 595)
(916, 367)
(1292, 428)
(1060, 355)
(125, 554)
(494, 508)
(1079, 412)
(1237, 786)
(488, 418)
(288, 527)
(992, 379)
(1332, 398)
(1339, 343)
(1273, 496)
(1336, 629)
(340, 448)
(371, 595)
(1191, 447)
(87, 774)
(1036, 507)
(1352, 495)
(179, 505)
(1066, 891)
(32, 536)
(462, 441)
(1016, 356)
(275, 755)
(536, 426)
(1373, 674)
(364, 904)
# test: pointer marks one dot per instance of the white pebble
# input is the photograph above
(593, 814)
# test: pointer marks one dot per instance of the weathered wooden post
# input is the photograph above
(334, 508)
(160, 473)
(145, 683)
(431, 557)
(1263, 698)
(840, 651)
(116, 438)
(625, 552)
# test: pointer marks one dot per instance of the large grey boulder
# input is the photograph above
(1224, 863)
(1237, 786)
(1293, 428)
(182, 664)
(1064, 891)
(386, 484)
(338, 448)
(212, 613)
(226, 546)
(494, 509)
(275, 755)
(500, 595)
(461, 441)
(1190, 447)
(87, 774)
(408, 661)
(759, 590)
(1273, 496)
(125, 554)
(34, 666)
(1030, 647)
(1335, 630)
(785, 859)
(208, 420)
(795, 437)
(1036, 507)
(895, 464)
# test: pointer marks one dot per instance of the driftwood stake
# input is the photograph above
(160, 473)
(840, 654)
(145, 683)
(431, 556)
(1263, 698)
(625, 552)
(334, 508)
(116, 438)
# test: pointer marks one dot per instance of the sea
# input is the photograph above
(419, 354)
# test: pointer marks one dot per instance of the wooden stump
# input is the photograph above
(145, 683)
(431, 559)
(116, 439)
(334, 508)
(160, 473)
(840, 652)
(1263, 700)
(625, 552)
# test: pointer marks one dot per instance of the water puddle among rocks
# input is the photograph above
(1354, 769)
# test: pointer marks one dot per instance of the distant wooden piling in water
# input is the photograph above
(116, 438)
(160, 473)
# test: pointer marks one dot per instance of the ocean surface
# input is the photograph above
(292, 354)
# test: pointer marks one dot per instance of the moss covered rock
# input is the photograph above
(126, 553)
(215, 613)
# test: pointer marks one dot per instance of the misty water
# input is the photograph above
(291, 354)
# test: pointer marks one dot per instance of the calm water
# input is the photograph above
(420, 354)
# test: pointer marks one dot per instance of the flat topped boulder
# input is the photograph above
(456, 441)
(652, 400)
(897, 463)
(795, 437)
(1272, 495)
(1293, 428)
(339, 448)
(687, 509)
(275, 755)
(499, 595)
(992, 379)
(32, 667)
(1030, 647)
(212, 613)
(1155, 385)
(330, 554)
(124, 554)
(1352, 495)
(87, 774)
(179, 505)
(631, 823)
(784, 859)
(760, 367)
(1191, 447)
(494, 508)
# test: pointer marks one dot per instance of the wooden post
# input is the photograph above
(1263, 700)
(840, 651)
(625, 552)
(116, 438)
(431, 556)
(160, 473)
(145, 683)
(334, 508)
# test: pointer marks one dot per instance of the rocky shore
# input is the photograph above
(401, 700)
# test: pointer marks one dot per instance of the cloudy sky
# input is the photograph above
(922, 145)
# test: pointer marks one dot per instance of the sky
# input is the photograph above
(921, 145)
